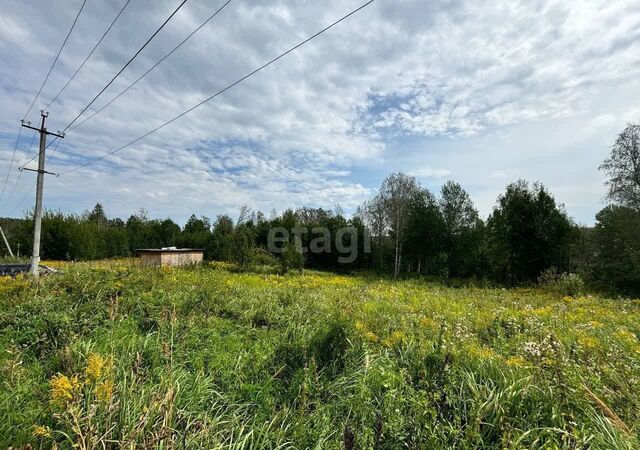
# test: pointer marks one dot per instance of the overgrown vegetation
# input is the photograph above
(112, 354)
(410, 230)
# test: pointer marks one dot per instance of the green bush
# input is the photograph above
(570, 284)
(291, 258)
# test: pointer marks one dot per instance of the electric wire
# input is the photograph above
(125, 66)
(53, 64)
(15, 185)
(98, 111)
(230, 86)
(89, 55)
(55, 139)
(13, 157)
(27, 193)
(56, 59)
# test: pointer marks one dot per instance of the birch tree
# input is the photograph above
(623, 168)
(395, 196)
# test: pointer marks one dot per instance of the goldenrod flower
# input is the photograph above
(371, 336)
(396, 337)
(63, 388)
(95, 366)
(481, 352)
(104, 391)
(41, 431)
(516, 361)
(427, 322)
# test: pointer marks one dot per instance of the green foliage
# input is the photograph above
(291, 258)
(404, 230)
(616, 265)
(570, 284)
(528, 233)
(462, 231)
(425, 232)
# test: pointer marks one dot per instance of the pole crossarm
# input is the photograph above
(44, 130)
(39, 171)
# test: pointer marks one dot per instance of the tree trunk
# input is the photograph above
(395, 259)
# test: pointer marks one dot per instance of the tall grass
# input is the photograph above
(112, 354)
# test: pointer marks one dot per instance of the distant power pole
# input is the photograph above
(37, 215)
(6, 242)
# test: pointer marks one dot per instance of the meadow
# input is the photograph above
(113, 354)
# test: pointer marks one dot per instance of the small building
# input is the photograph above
(171, 256)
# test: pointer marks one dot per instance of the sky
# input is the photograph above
(483, 93)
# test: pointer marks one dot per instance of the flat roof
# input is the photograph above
(170, 250)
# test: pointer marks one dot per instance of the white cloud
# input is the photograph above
(501, 83)
(430, 172)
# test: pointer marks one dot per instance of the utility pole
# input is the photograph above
(37, 215)
(6, 242)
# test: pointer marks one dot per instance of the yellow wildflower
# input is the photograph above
(626, 335)
(397, 337)
(588, 342)
(104, 391)
(427, 322)
(543, 312)
(41, 431)
(63, 388)
(516, 361)
(95, 366)
(482, 352)
(371, 336)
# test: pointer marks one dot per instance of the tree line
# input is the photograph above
(403, 229)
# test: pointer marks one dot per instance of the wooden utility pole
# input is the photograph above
(37, 214)
(6, 242)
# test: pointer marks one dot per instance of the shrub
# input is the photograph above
(263, 258)
(292, 258)
(570, 284)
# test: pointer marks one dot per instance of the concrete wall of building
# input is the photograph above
(180, 258)
(152, 258)
(171, 258)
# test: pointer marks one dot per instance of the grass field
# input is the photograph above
(112, 354)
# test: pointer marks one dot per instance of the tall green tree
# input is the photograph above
(372, 213)
(528, 233)
(617, 255)
(462, 230)
(220, 246)
(97, 215)
(623, 168)
(196, 232)
(425, 231)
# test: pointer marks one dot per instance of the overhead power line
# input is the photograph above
(56, 59)
(221, 91)
(15, 184)
(26, 159)
(152, 67)
(53, 64)
(108, 84)
(89, 55)
(13, 157)
(27, 193)
(125, 66)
